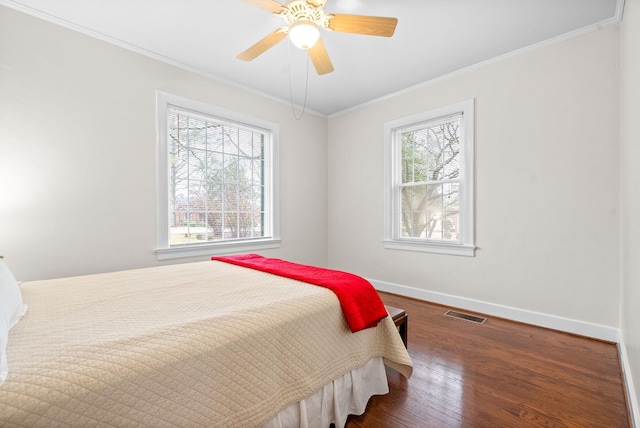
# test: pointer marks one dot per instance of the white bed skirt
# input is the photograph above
(347, 395)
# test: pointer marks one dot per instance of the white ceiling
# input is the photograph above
(433, 38)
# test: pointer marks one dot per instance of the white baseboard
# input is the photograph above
(582, 328)
(634, 409)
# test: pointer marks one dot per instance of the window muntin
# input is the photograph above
(216, 180)
(216, 191)
(430, 178)
(429, 204)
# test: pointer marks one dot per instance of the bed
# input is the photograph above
(196, 344)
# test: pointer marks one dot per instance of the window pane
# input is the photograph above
(216, 180)
(430, 174)
(430, 211)
(413, 168)
(431, 152)
(215, 225)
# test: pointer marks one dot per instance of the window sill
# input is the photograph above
(214, 249)
(431, 247)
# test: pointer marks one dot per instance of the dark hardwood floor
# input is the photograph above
(497, 374)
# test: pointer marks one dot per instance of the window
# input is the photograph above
(216, 180)
(429, 181)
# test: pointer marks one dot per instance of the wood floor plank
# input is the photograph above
(497, 374)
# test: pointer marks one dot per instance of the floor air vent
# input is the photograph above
(466, 317)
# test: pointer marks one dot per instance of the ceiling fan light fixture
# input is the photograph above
(304, 34)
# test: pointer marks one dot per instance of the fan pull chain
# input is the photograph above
(306, 85)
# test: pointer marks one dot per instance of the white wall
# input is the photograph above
(78, 153)
(630, 197)
(547, 161)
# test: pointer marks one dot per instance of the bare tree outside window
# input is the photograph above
(216, 180)
(429, 181)
(429, 186)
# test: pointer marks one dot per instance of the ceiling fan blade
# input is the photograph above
(320, 58)
(263, 45)
(360, 24)
(268, 5)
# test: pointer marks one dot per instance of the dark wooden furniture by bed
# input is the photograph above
(400, 318)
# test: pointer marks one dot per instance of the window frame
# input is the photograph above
(164, 249)
(393, 171)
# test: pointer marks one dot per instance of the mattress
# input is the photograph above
(196, 344)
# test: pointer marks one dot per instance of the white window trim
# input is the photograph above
(392, 239)
(164, 251)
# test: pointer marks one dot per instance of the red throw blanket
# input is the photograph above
(361, 305)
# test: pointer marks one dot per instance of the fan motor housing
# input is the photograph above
(301, 10)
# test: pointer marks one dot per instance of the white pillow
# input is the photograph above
(11, 310)
(4, 336)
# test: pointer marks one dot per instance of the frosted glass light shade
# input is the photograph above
(304, 34)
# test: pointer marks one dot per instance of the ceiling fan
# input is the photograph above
(304, 18)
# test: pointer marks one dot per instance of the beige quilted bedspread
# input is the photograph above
(198, 344)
